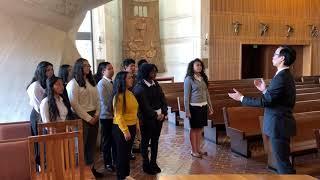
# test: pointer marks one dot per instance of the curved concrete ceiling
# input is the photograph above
(60, 14)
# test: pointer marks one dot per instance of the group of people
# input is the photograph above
(134, 103)
(129, 104)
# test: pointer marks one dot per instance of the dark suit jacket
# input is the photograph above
(149, 99)
(278, 102)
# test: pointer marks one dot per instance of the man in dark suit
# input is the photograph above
(278, 101)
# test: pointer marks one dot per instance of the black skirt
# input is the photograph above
(199, 116)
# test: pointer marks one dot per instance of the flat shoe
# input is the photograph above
(197, 155)
(204, 153)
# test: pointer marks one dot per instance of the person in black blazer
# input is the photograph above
(278, 101)
(152, 112)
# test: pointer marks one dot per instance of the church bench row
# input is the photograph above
(17, 150)
(178, 86)
(243, 128)
(305, 140)
(216, 93)
(222, 94)
(216, 120)
(312, 79)
(175, 101)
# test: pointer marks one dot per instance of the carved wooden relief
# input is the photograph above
(141, 37)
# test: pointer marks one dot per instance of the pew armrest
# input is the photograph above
(232, 132)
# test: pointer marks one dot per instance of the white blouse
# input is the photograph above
(36, 93)
(44, 110)
(83, 100)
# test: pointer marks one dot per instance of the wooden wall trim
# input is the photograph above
(225, 47)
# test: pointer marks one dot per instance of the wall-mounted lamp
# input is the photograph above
(206, 41)
(100, 39)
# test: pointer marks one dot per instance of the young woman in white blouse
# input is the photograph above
(85, 102)
(55, 107)
(36, 91)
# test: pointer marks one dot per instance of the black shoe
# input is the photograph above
(132, 157)
(147, 169)
(121, 178)
(136, 150)
(110, 168)
(96, 173)
(155, 168)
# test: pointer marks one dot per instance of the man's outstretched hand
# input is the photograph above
(260, 85)
(236, 95)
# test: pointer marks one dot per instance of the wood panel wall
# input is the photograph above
(225, 47)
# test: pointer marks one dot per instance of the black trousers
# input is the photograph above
(34, 119)
(90, 133)
(150, 132)
(108, 145)
(123, 148)
(281, 152)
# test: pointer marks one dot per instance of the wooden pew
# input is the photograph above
(255, 93)
(317, 135)
(242, 127)
(173, 100)
(236, 177)
(218, 91)
(222, 94)
(312, 79)
(165, 79)
(217, 119)
(242, 124)
(58, 156)
(14, 159)
(220, 85)
(178, 86)
(227, 89)
(303, 143)
(60, 127)
(15, 130)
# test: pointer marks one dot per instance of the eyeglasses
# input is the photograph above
(276, 54)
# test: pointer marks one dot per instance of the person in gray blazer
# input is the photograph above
(105, 88)
(278, 101)
(197, 104)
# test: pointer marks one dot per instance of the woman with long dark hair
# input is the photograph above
(125, 123)
(152, 112)
(65, 73)
(36, 91)
(101, 67)
(84, 99)
(54, 107)
(196, 103)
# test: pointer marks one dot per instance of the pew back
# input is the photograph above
(58, 156)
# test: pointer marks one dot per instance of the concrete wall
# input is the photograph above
(33, 31)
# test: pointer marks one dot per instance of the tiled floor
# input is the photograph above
(174, 158)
